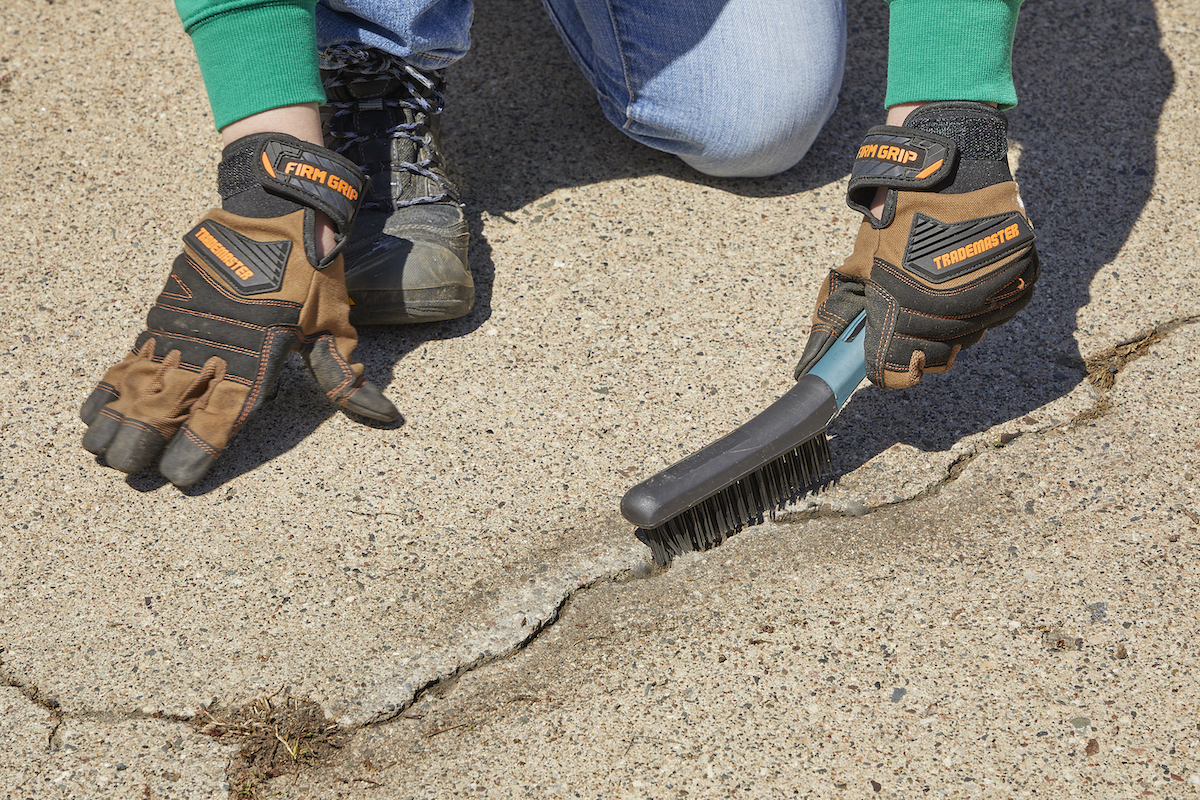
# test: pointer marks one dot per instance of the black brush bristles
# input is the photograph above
(757, 469)
(747, 501)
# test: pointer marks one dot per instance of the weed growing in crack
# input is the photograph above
(278, 735)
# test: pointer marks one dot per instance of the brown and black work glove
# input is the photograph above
(247, 290)
(952, 256)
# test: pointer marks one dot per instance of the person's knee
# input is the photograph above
(732, 129)
(760, 138)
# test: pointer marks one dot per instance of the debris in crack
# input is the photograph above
(1057, 639)
(31, 691)
(1103, 367)
(278, 736)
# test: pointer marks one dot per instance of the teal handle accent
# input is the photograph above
(844, 364)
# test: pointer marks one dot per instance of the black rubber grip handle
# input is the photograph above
(802, 413)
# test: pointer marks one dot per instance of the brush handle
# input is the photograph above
(844, 364)
(802, 413)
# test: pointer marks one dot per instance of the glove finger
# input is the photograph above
(127, 443)
(187, 458)
(919, 363)
(103, 421)
(134, 446)
(369, 401)
(154, 399)
(894, 377)
(216, 416)
(949, 362)
(841, 299)
(103, 427)
(344, 383)
(898, 362)
(101, 396)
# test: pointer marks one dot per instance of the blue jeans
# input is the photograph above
(736, 88)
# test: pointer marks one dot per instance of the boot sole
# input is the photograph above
(411, 307)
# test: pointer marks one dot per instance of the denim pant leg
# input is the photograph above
(429, 34)
(736, 88)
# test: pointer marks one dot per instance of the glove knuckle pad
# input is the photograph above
(209, 320)
(987, 280)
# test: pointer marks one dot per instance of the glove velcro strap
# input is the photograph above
(294, 169)
(898, 158)
(315, 177)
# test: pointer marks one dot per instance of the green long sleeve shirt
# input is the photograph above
(951, 50)
(261, 54)
(254, 55)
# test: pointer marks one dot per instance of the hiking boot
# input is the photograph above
(406, 260)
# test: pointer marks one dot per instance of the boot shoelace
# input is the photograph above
(351, 65)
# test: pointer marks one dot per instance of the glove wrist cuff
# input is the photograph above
(945, 147)
(272, 174)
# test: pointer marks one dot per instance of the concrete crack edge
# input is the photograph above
(1102, 371)
(434, 685)
(513, 625)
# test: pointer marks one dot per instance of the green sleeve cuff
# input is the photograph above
(254, 56)
(951, 50)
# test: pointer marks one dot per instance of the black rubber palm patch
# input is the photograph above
(938, 251)
(250, 267)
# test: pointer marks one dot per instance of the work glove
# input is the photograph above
(247, 290)
(952, 256)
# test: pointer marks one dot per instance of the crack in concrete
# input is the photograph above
(1103, 369)
(443, 683)
(54, 706)
(243, 781)
(1104, 366)
(33, 694)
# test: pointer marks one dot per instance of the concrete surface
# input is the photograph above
(995, 600)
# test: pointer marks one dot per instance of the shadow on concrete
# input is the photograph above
(1092, 80)
(521, 122)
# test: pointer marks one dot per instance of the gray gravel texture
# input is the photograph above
(48, 755)
(995, 599)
